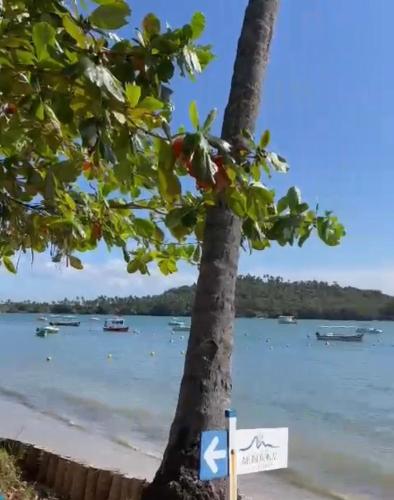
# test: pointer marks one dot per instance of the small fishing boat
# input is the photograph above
(287, 320)
(93, 318)
(46, 330)
(115, 325)
(181, 328)
(64, 322)
(343, 337)
(42, 318)
(363, 329)
(175, 322)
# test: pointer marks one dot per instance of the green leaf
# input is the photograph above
(133, 94)
(151, 104)
(278, 162)
(265, 139)
(106, 80)
(167, 266)
(193, 115)
(111, 17)
(9, 265)
(293, 197)
(151, 25)
(198, 24)
(209, 120)
(133, 266)
(144, 227)
(43, 35)
(74, 30)
(282, 204)
(237, 202)
(75, 262)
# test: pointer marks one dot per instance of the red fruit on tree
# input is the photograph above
(221, 178)
(10, 109)
(86, 166)
(177, 146)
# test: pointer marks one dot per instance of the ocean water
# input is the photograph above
(337, 400)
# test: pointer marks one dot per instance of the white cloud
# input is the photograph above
(45, 280)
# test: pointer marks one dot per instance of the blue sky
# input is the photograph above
(329, 103)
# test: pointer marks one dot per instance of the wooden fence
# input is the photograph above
(70, 480)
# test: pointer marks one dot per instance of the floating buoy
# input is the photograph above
(49, 358)
(171, 341)
(182, 337)
(109, 356)
(152, 353)
(327, 343)
(183, 353)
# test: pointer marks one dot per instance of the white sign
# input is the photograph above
(261, 449)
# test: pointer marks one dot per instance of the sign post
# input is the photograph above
(232, 452)
(231, 416)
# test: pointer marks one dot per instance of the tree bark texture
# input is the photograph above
(206, 384)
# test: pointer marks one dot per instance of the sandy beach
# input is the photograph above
(24, 424)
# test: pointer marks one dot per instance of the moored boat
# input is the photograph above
(175, 322)
(115, 325)
(363, 329)
(64, 322)
(42, 318)
(287, 320)
(181, 328)
(343, 337)
(45, 330)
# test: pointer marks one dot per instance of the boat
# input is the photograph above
(181, 328)
(287, 320)
(355, 337)
(42, 318)
(64, 322)
(93, 318)
(45, 330)
(175, 322)
(363, 329)
(115, 325)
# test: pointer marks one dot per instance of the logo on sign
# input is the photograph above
(261, 449)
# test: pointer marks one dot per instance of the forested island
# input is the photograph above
(256, 297)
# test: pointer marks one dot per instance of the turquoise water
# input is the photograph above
(337, 400)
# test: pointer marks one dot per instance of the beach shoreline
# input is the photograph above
(67, 439)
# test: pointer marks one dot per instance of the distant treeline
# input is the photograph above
(268, 297)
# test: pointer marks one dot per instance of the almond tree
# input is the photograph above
(87, 154)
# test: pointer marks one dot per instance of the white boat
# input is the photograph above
(42, 318)
(93, 318)
(43, 331)
(287, 320)
(115, 325)
(176, 322)
(181, 328)
(365, 329)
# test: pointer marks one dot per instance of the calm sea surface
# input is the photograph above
(337, 400)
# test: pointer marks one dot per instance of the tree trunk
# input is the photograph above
(206, 385)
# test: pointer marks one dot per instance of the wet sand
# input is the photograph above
(24, 424)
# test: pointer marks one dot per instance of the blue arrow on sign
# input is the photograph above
(213, 455)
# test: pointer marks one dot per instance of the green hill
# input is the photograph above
(268, 296)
